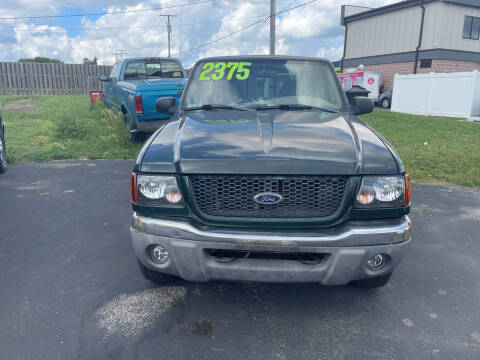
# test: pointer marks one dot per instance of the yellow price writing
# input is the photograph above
(221, 70)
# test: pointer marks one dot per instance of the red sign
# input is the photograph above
(351, 79)
(371, 81)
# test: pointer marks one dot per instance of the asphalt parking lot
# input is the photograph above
(70, 287)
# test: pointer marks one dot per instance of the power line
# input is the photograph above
(55, 29)
(104, 13)
(150, 28)
(120, 54)
(222, 20)
(226, 36)
(245, 27)
(262, 19)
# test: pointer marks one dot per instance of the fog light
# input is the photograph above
(159, 254)
(376, 261)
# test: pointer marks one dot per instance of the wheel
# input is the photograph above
(385, 103)
(373, 282)
(155, 276)
(3, 153)
(105, 100)
(135, 137)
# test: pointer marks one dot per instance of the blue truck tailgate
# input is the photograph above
(151, 90)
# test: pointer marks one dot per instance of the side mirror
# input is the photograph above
(103, 77)
(166, 105)
(362, 105)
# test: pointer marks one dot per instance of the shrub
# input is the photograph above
(71, 128)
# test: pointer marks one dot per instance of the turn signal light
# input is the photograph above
(366, 196)
(133, 188)
(138, 104)
(174, 196)
(407, 190)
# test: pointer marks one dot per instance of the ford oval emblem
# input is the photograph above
(268, 198)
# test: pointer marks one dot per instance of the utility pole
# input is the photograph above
(181, 15)
(120, 54)
(169, 30)
(272, 27)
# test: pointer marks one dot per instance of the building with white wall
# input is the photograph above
(413, 36)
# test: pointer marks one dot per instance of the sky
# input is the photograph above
(310, 30)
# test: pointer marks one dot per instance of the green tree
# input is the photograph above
(40, 59)
(87, 61)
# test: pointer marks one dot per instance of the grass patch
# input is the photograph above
(433, 149)
(66, 127)
(54, 127)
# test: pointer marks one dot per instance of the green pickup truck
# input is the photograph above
(3, 146)
(264, 173)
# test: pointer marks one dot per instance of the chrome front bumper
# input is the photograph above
(347, 247)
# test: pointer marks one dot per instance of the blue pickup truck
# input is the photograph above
(135, 84)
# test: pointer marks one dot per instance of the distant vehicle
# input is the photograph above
(264, 173)
(369, 80)
(133, 87)
(3, 146)
(385, 100)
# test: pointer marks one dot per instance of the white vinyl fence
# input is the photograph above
(451, 95)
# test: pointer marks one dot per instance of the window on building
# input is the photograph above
(471, 28)
(475, 28)
(426, 63)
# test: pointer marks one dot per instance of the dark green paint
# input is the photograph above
(275, 142)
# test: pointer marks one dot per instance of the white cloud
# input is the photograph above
(309, 21)
(312, 30)
(31, 44)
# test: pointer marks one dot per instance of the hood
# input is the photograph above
(270, 142)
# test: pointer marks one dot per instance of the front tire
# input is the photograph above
(105, 100)
(374, 282)
(155, 276)
(385, 103)
(3, 153)
(135, 137)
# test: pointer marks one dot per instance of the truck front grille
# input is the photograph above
(233, 196)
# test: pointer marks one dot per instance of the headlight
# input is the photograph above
(382, 191)
(156, 190)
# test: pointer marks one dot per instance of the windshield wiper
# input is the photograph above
(295, 107)
(215, 107)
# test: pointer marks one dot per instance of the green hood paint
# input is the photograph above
(267, 142)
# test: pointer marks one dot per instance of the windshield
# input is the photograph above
(152, 69)
(259, 84)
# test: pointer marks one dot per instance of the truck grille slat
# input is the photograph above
(233, 196)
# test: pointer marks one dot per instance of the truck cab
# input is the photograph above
(265, 173)
(135, 84)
